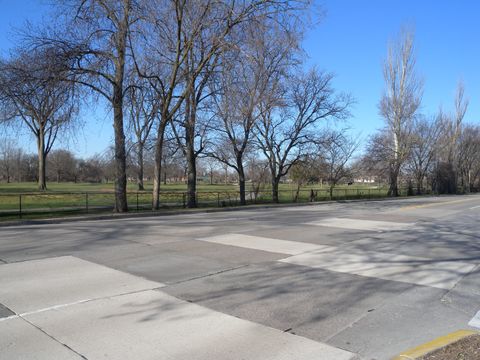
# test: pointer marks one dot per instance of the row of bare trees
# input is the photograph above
(438, 152)
(221, 80)
(217, 78)
(62, 165)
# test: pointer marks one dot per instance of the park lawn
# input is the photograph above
(95, 197)
(31, 187)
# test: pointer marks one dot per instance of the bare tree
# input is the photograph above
(305, 170)
(193, 121)
(400, 102)
(178, 29)
(454, 131)
(62, 165)
(251, 74)
(258, 173)
(286, 131)
(426, 136)
(35, 96)
(336, 150)
(94, 43)
(143, 108)
(376, 160)
(468, 156)
(7, 159)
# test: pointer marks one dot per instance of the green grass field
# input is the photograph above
(66, 198)
(25, 187)
(31, 187)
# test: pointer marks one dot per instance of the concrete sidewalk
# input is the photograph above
(67, 308)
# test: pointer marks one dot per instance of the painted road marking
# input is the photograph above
(409, 269)
(358, 224)
(475, 207)
(387, 266)
(410, 207)
(262, 243)
(475, 321)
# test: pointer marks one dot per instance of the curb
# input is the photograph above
(436, 344)
(132, 215)
(145, 214)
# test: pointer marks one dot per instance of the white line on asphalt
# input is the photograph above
(264, 244)
(359, 224)
(475, 207)
(380, 265)
(475, 321)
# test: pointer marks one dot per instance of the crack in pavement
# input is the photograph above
(205, 276)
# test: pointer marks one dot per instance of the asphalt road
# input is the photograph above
(329, 281)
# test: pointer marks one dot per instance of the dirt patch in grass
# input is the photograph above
(465, 349)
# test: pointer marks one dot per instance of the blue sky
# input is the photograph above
(351, 41)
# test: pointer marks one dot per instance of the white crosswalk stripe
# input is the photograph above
(360, 224)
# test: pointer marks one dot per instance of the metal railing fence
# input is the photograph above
(40, 204)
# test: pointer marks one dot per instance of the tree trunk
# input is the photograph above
(117, 105)
(42, 184)
(419, 185)
(297, 192)
(120, 154)
(275, 183)
(191, 178)
(157, 171)
(393, 189)
(191, 157)
(241, 181)
(140, 167)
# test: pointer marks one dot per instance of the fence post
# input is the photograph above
(86, 202)
(184, 202)
(218, 199)
(137, 200)
(20, 206)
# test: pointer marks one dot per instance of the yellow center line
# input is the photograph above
(436, 204)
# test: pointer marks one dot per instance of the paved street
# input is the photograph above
(330, 281)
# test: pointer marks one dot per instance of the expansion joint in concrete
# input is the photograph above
(53, 338)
